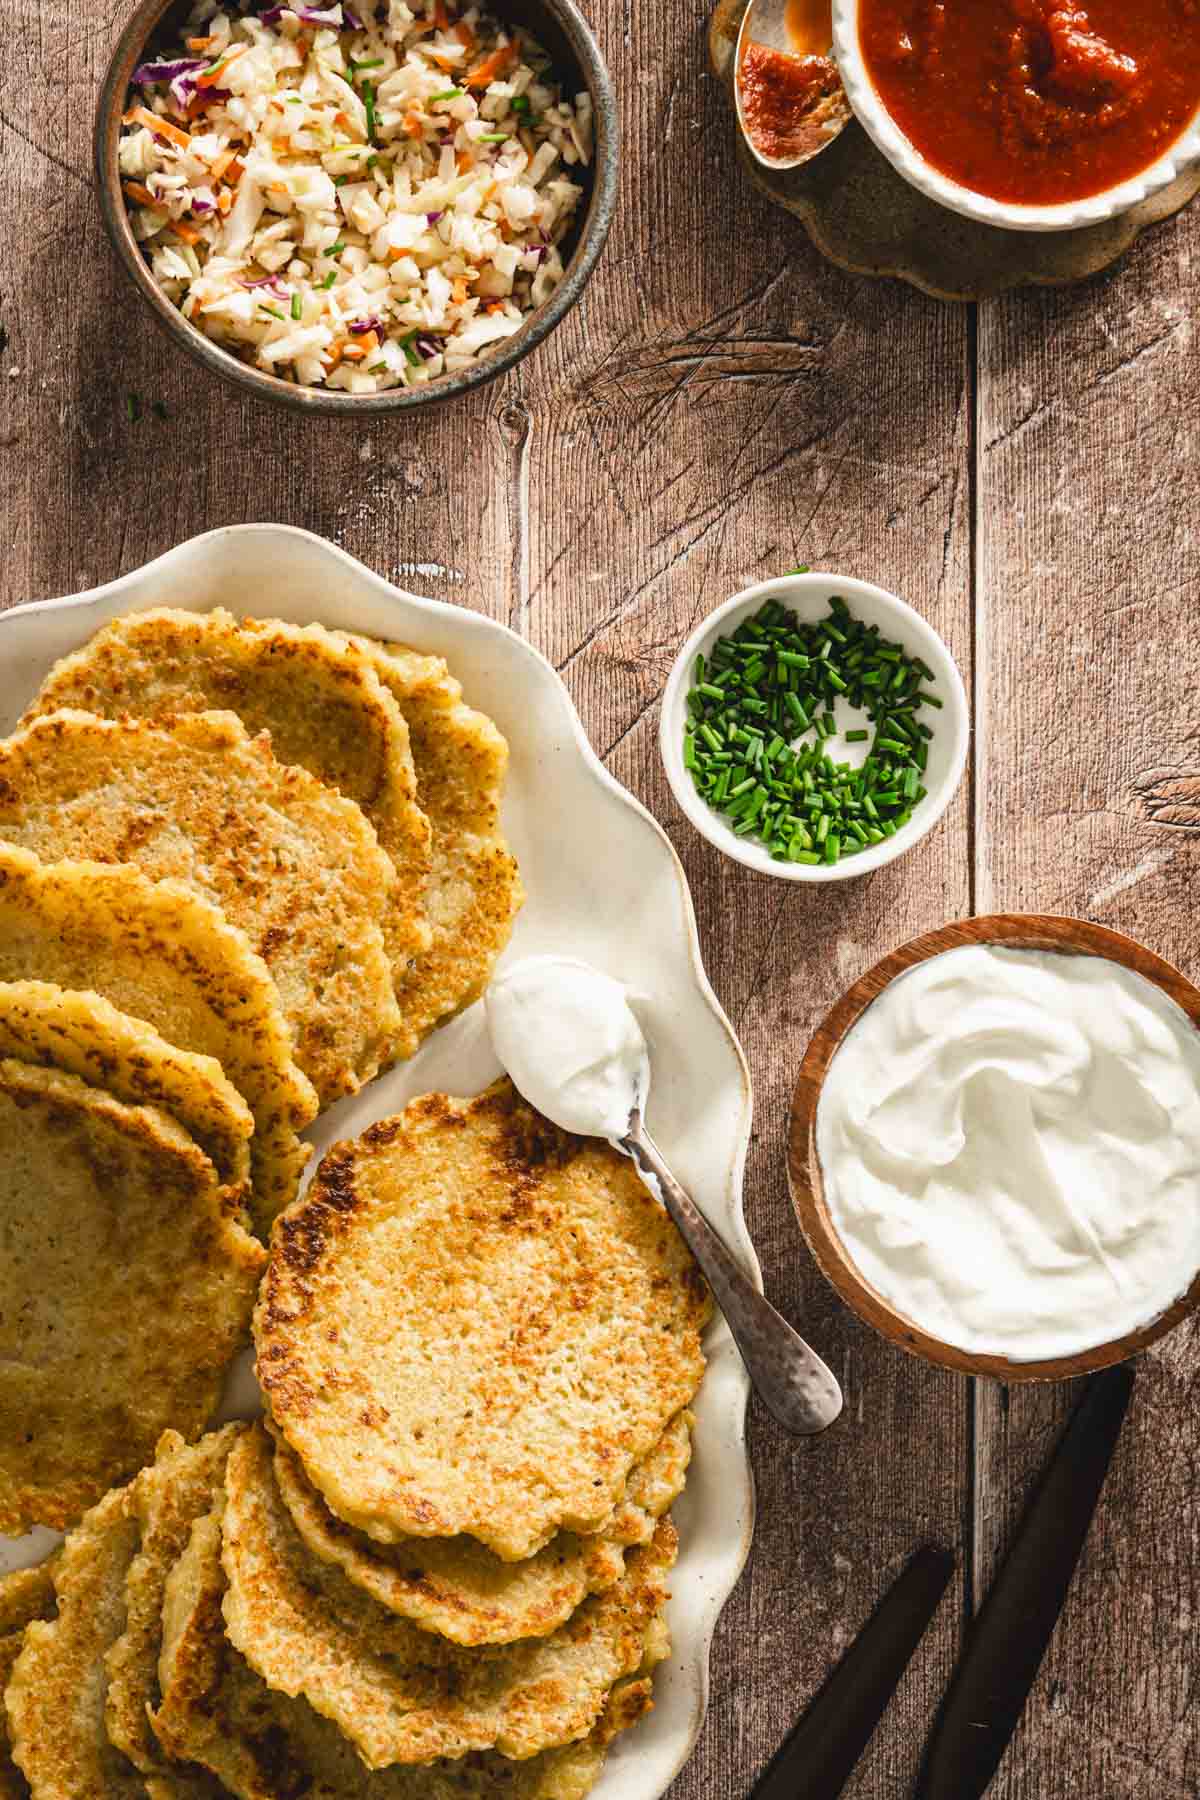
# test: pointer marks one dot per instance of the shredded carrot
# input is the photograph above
(335, 353)
(221, 163)
(354, 353)
(224, 200)
(464, 161)
(141, 115)
(142, 195)
(188, 233)
(277, 187)
(443, 62)
(492, 67)
(464, 34)
(339, 118)
(495, 307)
(366, 340)
(412, 123)
(441, 17)
(212, 77)
(458, 291)
(235, 171)
(201, 43)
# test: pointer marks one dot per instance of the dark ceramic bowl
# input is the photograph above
(559, 27)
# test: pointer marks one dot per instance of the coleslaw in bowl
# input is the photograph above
(363, 200)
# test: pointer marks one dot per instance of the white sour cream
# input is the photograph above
(1010, 1144)
(567, 1036)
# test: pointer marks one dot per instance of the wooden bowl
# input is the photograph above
(1021, 931)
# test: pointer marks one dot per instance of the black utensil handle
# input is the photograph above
(816, 1761)
(1005, 1650)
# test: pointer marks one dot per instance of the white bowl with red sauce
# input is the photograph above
(1032, 115)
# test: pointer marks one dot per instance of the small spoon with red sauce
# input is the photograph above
(789, 95)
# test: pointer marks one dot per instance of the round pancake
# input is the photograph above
(291, 863)
(474, 1323)
(399, 1693)
(262, 1745)
(474, 891)
(55, 1698)
(165, 1500)
(324, 710)
(160, 953)
(24, 1596)
(467, 1593)
(124, 1290)
(86, 1036)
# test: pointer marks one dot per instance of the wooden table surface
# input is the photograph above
(722, 406)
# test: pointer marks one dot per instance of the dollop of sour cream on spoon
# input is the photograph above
(1010, 1147)
(568, 1037)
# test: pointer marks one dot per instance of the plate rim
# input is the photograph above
(483, 625)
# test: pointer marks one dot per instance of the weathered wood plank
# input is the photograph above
(1087, 780)
(729, 406)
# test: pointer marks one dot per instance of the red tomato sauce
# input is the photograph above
(779, 90)
(1035, 102)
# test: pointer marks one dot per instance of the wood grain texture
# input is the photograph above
(722, 406)
(1087, 758)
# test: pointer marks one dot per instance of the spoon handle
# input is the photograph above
(790, 1379)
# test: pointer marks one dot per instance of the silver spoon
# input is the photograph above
(790, 1379)
(766, 22)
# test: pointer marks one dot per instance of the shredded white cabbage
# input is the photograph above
(361, 196)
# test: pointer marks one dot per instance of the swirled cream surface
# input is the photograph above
(568, 1037)
(1010, 1145)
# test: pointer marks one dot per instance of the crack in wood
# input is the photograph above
(515, 425)
(1131, 358)
(41, 150)
(1170, 798)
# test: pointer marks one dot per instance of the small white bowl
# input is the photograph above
(907, 160)
(808, 596)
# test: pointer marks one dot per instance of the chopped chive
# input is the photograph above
(133, 407)
(273, 310)
(368, 100)
(297, 307)
(449, 94)
(493, 137)
(761, 721)
(329, 279)
(379, 368)
(335, 249)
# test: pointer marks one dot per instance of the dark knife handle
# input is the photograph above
(816, 1761)
(1005, 1650)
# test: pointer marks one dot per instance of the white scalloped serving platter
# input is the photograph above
(604, 884)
